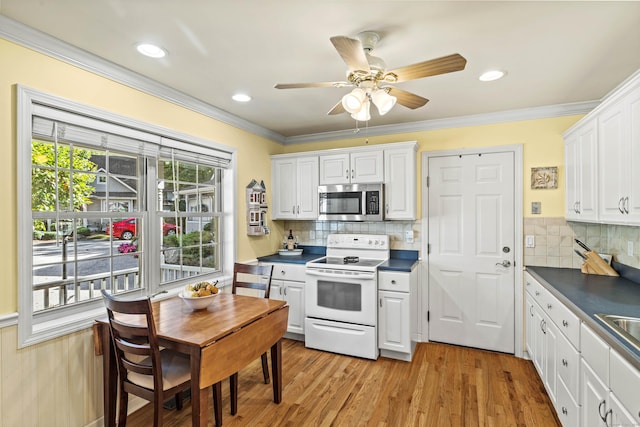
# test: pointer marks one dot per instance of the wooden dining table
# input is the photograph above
(230, 333)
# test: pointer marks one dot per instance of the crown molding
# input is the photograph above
(55, 48)
(455, 122)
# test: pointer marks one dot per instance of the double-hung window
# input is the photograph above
(106, 202)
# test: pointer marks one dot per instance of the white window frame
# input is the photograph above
(40, 327)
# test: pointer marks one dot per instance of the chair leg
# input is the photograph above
(233, 393)
(265, 368)
(216, 391)
(179, 400)
(157, 410)
(123, 404)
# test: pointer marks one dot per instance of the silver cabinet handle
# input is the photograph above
(537, 293)
(353, 173)
(298, 208)
(564, 362)
(531, 310)
(626, 205)
(620, 208)
(602, 417)
(346, 174)
(564, 410)
(579, 210)
(293, 209)
(285, 291)
(380, 302)
(549, 306)
(565, 323)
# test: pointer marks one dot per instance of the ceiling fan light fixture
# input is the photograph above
(363, 114)
(491, 75)
(383, 101)
(354, 101)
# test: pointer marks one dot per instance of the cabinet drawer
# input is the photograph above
(625, 382)
(567, 409)
(536, 290)
(569, 365)
(293, 272)
(596, 352)
(567, 322)
(393, 281)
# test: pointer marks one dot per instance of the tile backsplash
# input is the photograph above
(315, 233)
(554, 242)
(554, 238)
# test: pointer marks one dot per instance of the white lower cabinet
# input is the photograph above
(395, 330)
(287, 284)
(609, 385)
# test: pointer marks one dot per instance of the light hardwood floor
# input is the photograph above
(444, 386)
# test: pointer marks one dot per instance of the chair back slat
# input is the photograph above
(257, 272)
(134, 342)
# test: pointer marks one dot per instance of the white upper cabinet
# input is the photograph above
(295, 187)
(400, 182)
(619, 159)
(582, 174)
(602, 160)
(360, 167)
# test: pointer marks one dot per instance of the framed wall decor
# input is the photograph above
(544, 178)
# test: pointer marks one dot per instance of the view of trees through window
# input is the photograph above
(90, 222)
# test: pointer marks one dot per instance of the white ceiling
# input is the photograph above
(554, 52)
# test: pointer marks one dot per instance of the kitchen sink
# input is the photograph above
(625, 327)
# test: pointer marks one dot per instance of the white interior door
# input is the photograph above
(471, 235)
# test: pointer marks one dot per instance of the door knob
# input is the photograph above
(505, 263)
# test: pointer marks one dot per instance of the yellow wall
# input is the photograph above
(541, 140)
(26, 67)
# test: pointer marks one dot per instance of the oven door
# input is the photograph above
(341, 295)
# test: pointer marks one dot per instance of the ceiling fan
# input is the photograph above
(373, 82)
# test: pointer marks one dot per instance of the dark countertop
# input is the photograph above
(308, 254)
(587, 294)
(401, 260)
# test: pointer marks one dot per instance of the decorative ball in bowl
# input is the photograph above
(199, 296)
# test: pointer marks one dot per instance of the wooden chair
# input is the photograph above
(256, 272)
(144, 369)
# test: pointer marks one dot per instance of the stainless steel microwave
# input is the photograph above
(351, 202)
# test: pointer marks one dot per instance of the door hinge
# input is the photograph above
(427, 181)
(428, 315)
(428, 248)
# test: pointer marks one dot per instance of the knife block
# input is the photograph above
(596, 265)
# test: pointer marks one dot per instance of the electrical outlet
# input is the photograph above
(408, 236)
(630, 248)
(530, 241)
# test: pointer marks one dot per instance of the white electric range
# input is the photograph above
(341, 295)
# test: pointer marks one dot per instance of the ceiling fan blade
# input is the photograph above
(337, 109)
(432, 67)
(303, 85)
(351, 52)
(408, 99)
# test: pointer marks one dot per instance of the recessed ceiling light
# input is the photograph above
(492, 75)
(241, 97)
(151, 50)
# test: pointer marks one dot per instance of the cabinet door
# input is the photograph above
(594, 398)
(572, 178)
(620, 416)
(550, 332)
(284, 195)
(530, 326)
(612, 165)
(366, 167)
(588, 172)
(334, 169)
(539, 342)
(393, 321)
(277, 290)
(294, 295)
(400, 184)
(633, 204)
(307, 188)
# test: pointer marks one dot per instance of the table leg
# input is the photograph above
(276, 368)
(216, 390)
(109, 376)
(198, 397)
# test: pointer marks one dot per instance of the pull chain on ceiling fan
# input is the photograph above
(371, 80)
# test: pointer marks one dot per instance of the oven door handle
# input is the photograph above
(354, 276)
